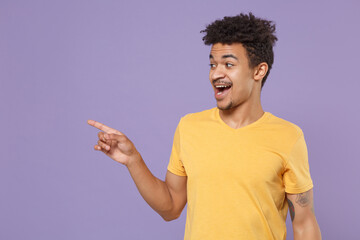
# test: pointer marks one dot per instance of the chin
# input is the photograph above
(225, 107)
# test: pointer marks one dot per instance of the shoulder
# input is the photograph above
(193, 122)
(288, 129)
(204, 115)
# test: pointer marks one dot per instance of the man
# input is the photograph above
(237, 167)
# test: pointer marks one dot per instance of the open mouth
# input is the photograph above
(221, 90)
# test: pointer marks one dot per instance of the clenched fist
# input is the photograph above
(115, 144)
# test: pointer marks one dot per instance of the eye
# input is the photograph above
(229, 65)
(212, 65)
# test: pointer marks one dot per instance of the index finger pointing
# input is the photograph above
(103, 127)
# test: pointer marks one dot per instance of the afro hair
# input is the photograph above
(256, 35)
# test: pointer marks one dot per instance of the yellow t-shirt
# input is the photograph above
(237, 178)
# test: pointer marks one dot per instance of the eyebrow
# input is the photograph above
(225, 56)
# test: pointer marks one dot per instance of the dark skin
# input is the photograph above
(302, 199)
(241, 105)
(167, 198)
(238, 108)
(301, 207)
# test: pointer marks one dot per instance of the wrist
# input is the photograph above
(133, 160)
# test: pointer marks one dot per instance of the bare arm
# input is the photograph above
(301, 207)
(168, 197)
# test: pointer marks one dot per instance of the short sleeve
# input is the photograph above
(175, 164)
(296, 176)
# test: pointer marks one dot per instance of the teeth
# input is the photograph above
(222, 86)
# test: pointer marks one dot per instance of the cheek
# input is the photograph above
(242, 82)
(238, 91)
(241, 90)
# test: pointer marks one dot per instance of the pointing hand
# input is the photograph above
(114, 144)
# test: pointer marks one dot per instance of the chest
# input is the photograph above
(231, 159)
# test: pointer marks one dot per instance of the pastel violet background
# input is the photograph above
(138, 66)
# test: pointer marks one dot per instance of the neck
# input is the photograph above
(243, 114)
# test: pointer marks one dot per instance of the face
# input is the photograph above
(230, 75)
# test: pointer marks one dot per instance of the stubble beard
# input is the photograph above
(229, 106)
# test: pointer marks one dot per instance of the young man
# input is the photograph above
(237, 167)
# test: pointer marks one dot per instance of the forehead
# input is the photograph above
(218, 50)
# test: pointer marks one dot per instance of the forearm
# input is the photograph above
(309, 233)
(153, 190)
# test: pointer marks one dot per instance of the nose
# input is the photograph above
(217, 73)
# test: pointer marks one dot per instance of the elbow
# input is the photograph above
(170, 217)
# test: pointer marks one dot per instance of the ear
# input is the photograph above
(260, 71)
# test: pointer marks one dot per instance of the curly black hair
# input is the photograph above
(256, 35)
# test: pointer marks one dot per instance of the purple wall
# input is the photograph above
(138, 67)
